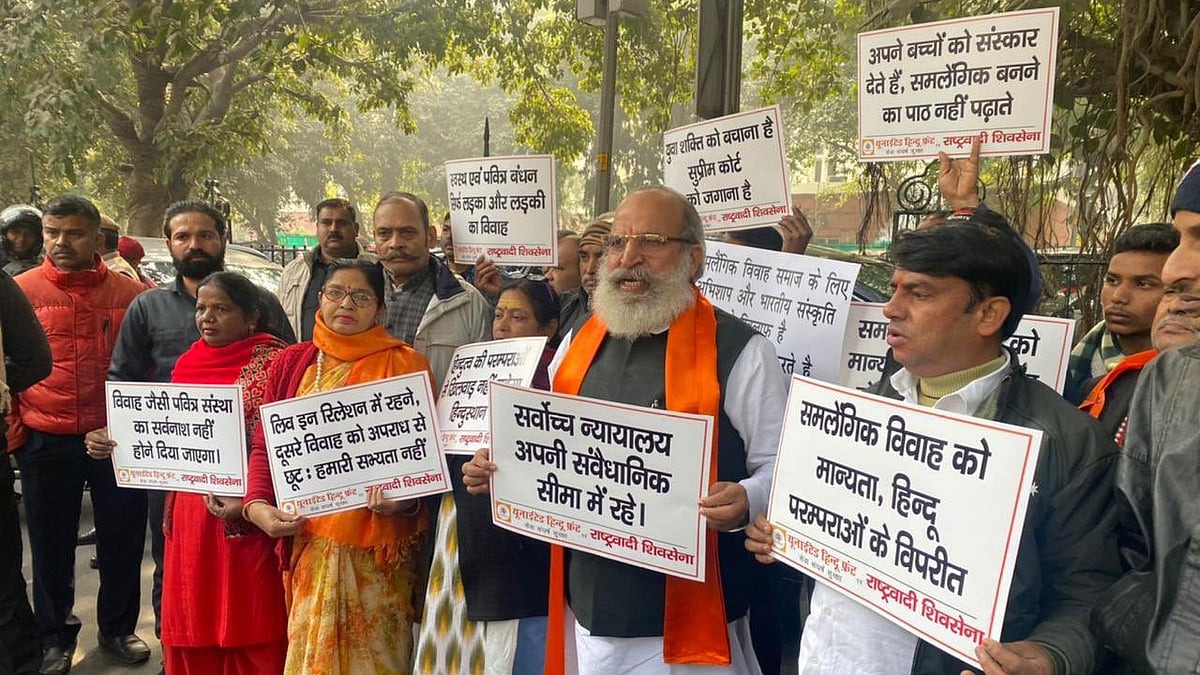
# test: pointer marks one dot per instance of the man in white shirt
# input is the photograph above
(959, 290)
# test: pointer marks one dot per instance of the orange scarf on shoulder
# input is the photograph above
(375, 355)
(1094, 403)
(694, 628)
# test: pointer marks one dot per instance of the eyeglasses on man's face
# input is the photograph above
(649, 242)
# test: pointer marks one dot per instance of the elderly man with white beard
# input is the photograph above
(654, 340)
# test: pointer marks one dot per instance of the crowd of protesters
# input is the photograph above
(1102, 581)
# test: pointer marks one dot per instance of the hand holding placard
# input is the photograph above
(98, 444)
(726, 507)
(796, 232)
(758, 539)
(1013, 658)
(271, 520)
(477, 473)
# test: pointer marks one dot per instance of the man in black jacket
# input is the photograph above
(958, 293)
(161, 324)
(26, 362)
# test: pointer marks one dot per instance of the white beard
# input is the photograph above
(632, 316)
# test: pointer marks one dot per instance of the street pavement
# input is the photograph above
(89, 658)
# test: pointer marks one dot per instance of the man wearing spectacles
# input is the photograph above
(654, 340)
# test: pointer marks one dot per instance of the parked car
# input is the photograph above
(241, 259)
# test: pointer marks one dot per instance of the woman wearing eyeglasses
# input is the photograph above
(503, 577)
(350, 577)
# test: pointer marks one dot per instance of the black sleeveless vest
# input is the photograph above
(613, 599)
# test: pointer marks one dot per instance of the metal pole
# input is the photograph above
(35, 190)
(733, 56)
(608, 98)
(487, 138)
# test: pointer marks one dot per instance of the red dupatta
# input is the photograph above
(244, 362)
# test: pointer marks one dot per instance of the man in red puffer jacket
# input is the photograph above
(80, 304)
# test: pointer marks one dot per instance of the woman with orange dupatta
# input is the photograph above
(351, 577)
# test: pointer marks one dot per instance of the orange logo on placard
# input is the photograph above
(868, 146)
(779, 540)
(503, 512)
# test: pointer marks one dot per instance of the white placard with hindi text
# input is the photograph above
(504, 208)
(618, 481)
(933, 87)
(178, 437)
(1042, 343)
(798, 302)
(463, 404)
(733, 169)
(881, 501)
(327, 448)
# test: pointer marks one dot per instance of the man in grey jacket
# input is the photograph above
(1151, 617)
(302, 278)
(428, 306)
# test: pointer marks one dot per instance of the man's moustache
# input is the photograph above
(634, 274)
(1176, 322)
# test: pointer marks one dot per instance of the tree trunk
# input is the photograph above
(150, 194)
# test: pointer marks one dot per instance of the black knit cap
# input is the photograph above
(1187, 195)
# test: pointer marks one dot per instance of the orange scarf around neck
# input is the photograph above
(694, 628)
(1094, 403)
(374, 355)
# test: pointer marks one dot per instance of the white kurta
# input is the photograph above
(755, 397)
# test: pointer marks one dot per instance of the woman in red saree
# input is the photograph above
(222, 607)
(352, 577)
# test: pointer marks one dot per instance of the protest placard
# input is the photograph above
(504, 208)
(178, 437)
(1042, 343)
(618, 481)
(798, 302)
(936, 86)
(327, 448)
(462, 405)
(880, 500)
(733, 169)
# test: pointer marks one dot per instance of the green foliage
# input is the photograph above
(182, 88)
(135, 101)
